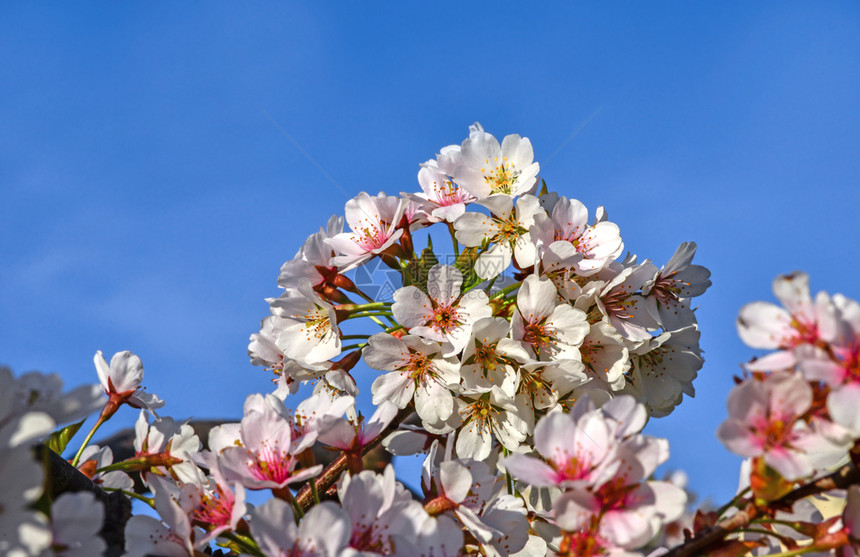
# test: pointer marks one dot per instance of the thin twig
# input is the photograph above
(841, 479)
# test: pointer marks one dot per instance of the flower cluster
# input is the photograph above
(523, 365)
(794, 417)
(796, 413)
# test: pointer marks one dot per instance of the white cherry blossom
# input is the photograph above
(324, 531)
(417, 369)
(507, 229)
(121, 381)
(76, 519)
(309, 331)
(568, 223)
(313, 257)
(548, 328)
(487, 168)
(668, 294)
(443, 315)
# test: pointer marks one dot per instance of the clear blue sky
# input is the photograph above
(148, 194)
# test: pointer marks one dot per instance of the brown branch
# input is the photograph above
(841, 479)
(332, 472)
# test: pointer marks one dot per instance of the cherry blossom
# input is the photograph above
(260, 453)
(664, 368)
(94, 458)
(487, 168)
(668, 294)
(493, 414)
(121, 381)
(172, 536)
(308, 332)
(507, 229)
(568, 223)
(324, 531)
(417, 368)
(440, 199)
(76, 519)
(491, 358)
(166, 448)
(764, 420)
(313, 259)
(382, 512)
(574, 451)
(619, 300)
(23, 531)
(373, 221)
(800, 321)
(444, 315)
(550, 329)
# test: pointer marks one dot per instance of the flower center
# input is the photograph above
(445, 318)
(216, 508)
(509, 230)
(418, 365)
(502, 177)
(317, 323)
(373, 236)
(538, 335)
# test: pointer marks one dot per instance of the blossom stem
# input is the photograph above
(378, 322)
(733, 501)
(102, 419)
(363, 296)
(506, 290)
(509, 483)
(369, 313)
(353, 337)
(244, 542)
(372, 305)
(352, 346)
(798, 551)
(148, 500)
(454, 240)
(315, 492)
(284, 494)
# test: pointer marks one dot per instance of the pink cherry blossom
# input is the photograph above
(441, 199)
(373, 221)
(265, 456)
(764, 420)
(800, 321)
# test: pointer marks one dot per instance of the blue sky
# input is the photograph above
(151, 184)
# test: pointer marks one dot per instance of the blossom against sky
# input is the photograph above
(159, 163)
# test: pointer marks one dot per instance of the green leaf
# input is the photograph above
(59, 439)
(543, 190)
